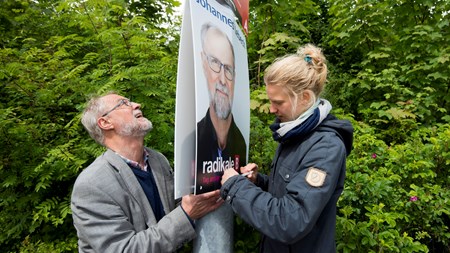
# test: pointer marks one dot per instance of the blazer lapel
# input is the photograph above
(132, 184)
(158, 174)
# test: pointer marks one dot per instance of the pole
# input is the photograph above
(215, 231)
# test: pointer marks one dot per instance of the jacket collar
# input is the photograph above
(131, 183)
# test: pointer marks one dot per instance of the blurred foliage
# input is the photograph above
(54, 55)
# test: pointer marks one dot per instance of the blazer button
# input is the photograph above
(287, 176)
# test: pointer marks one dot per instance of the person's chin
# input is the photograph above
(148, 128)
(147, 125)
(281, 119)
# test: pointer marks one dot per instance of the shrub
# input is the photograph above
(396, 198)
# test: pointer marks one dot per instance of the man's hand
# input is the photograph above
(197, 206)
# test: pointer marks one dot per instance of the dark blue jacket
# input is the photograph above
(292, 214)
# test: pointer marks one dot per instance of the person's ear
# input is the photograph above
(104, 123)
(307, 98)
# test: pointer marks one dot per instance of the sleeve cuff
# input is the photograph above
(189, 218)
(225, 190)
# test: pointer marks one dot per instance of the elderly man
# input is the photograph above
(220, 143)
(123, 202)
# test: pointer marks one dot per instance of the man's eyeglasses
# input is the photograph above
(217, 65)
(123, 101)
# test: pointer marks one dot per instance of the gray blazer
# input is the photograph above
(111, 212)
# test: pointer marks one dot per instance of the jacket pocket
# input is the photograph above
(285, 173)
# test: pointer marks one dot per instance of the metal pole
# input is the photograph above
(215, 231)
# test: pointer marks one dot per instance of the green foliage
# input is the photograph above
(391, 72)
(55, 54)
(262, 145)
(396, 198)
(57, 246)
(277, 28)
(246, 237)
(393, 65)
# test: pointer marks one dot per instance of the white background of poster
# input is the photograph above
(184, 153)
(188, 109)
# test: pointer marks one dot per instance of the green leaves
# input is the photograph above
(396, 197)
(54, 55)
(403, 47)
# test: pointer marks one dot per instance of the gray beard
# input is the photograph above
(222, 108)
(136, 129)
(221, 105)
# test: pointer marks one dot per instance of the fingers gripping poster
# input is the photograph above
(212, 112)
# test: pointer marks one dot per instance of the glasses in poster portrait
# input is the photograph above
(216, 66)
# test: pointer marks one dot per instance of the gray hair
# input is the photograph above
(94, 108)
(210, 26)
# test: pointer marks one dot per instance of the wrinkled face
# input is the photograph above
(284, 106)
(127, 118)
(218, 66)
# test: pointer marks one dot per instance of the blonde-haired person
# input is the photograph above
(295, 206)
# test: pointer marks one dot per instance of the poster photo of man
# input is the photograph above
(212, 114)
(220, 143)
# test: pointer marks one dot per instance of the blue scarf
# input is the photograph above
(304, 124)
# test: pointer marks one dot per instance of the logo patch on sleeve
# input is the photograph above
(315, 177)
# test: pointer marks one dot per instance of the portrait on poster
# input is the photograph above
(221, 100)
(222, 94)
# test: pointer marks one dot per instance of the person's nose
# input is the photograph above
(222, 77)
(135, 105)
(272, 109)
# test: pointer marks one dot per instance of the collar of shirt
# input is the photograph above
(136, 164)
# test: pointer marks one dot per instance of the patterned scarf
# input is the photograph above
(304, 124)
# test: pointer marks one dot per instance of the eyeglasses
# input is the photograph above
(123, 101)
(216, 65)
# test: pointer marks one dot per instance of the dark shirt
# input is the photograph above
(148, 184)
(211, 159)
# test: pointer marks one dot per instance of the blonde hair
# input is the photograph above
(304, 70)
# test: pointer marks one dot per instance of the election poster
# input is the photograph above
(212, 111)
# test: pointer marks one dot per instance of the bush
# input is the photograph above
(396, 198)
